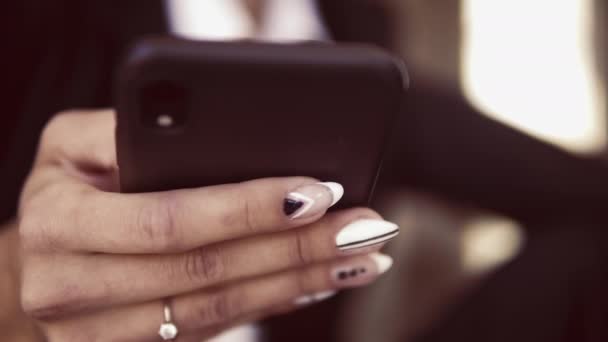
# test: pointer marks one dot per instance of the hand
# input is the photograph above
(16, 326)
(98, 265)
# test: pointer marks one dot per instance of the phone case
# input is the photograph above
(192, 114)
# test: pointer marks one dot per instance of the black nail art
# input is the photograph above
(343, 275)
(290, 206)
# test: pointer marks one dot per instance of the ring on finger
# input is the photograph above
(168, 330)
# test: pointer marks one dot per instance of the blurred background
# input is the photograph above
(530, 64)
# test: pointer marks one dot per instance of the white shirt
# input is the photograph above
(283, 21)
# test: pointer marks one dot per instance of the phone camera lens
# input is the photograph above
(164, 121)
(163, 105)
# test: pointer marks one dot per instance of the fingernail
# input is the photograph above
(367, 232)
(310, 200)
(314, 298)
(363, 272)
(383, 262)
(336, 190)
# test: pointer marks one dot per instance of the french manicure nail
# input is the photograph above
(314, 298)
(336, 190)
(366, 232)
(309, 200)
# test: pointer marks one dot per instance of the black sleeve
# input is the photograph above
(62, 55)
(22, 33)
(443, 145)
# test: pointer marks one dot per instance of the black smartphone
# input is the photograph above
(192, 114)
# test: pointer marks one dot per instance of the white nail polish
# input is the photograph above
(314, 298)
(383, 262)
(321, 296)
(336, 189)
(312, 199)
(304, 300)
(365, 233)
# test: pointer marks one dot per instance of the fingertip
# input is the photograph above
(336, 189)
(311, 200)
(383, 262)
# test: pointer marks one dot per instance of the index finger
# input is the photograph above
(175, 221)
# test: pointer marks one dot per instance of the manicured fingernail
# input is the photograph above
(310, 200)
(363, 272)
(321, 296)
(367, 232)
(383, 262)
(337, 191)
(314, 298)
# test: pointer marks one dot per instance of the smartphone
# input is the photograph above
(193, 114)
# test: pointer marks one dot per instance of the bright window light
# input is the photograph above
(529, 63)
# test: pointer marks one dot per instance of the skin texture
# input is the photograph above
(14, 324)
(93, 258)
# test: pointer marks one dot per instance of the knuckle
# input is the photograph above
(250, 219)
(45, 222)
(218, 308)
(302, 282)
(156, 223)
(38, 230)
(29, 301)
(56, 121)
(299, 253)
(204, 265)
(55, 124)
(45, 305)
(30, 229)
(30, 219)
(245, 216)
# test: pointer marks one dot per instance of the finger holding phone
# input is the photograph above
(200, 239)
(102, 266)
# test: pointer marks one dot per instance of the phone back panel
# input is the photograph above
(192, 114)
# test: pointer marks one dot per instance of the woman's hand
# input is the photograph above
(98, 265)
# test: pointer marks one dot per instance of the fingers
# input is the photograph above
(94, 143)
(71, 213)
(76, 146)
(194, 313)
(78, 218)
(157, 276)
(202, 312)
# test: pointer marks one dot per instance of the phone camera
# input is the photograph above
(164, 121)
(163, 105)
